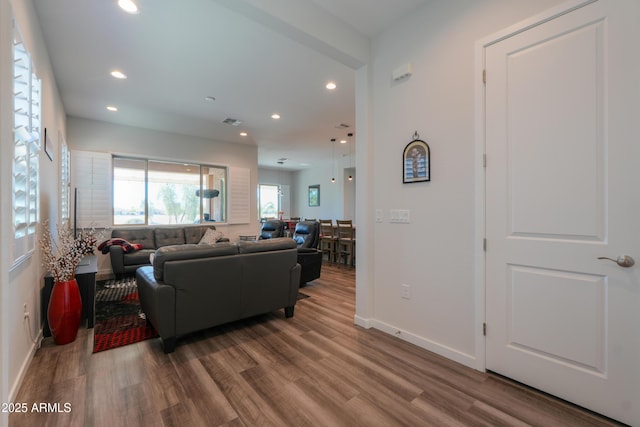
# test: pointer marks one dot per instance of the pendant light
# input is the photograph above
(333, 160)
(350, 142)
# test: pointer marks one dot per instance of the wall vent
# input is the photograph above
(230, 121)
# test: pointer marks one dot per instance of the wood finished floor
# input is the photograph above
(315, 369)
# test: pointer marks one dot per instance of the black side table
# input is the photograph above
(86, 278)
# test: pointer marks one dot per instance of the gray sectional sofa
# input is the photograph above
(192, 287)
(151, 239)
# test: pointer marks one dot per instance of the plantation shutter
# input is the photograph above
(91, 175)
(239, 195)
(26, 137)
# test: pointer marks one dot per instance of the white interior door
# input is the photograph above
(562, 189)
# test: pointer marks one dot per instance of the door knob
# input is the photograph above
(622, 260)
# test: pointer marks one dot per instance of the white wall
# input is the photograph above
(21, 284)
(434, 254)
(92, 135)
(337, 200)
(331, 193)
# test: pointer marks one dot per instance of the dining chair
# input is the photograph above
(346, 241)
(328, 239)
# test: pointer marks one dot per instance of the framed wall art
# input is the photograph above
(416, 162)
(314, 195)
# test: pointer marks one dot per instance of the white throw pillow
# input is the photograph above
(210, 237)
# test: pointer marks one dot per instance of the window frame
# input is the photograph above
(279, 204)
(146, 205)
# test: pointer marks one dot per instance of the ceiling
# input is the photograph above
(177, 53)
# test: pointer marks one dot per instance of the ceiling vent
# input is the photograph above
(230, 121)
(342, 126)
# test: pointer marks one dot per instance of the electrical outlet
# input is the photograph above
(26, 313)
(406, 291)
(378, 215)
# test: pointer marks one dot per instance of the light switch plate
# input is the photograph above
(399, 216)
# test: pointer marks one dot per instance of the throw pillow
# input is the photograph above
(152, 256)
(210, 237)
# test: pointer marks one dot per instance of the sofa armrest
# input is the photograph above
(116, 254)
(158, 302)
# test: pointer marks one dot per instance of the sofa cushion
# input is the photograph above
(193, 234)
(189, 251)
(136, 235)
(138, 257)
(210, 237)
(169, 236)
(276, 244)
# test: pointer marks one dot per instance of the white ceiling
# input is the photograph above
(176, 53)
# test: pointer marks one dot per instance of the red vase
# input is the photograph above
(65, 311)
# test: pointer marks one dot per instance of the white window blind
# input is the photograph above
(239, 195)
(65, 181)
(91, 176)
(26, 136)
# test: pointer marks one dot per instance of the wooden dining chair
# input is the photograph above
(328, 239)
(346, 241)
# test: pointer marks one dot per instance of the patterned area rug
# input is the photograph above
(119, 320)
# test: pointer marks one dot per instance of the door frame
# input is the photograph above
(481, 161)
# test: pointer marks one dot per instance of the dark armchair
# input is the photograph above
(307, 236)
(271, 228)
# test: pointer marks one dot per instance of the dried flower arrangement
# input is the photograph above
(61, 256)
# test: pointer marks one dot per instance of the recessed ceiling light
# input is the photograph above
(343, 141)
(209, 98)
(243, 134)
(112, 108)
(128, 6)
(118, 74)
(275, 116)
(331, 86)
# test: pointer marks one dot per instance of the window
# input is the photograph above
(26, 137)
(159, 192)
(269, 200)
(65, 182)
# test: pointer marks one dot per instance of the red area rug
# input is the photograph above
(119, 320)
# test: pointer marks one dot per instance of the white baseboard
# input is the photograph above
(361, 321)
(435, 347)
(25, 366)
